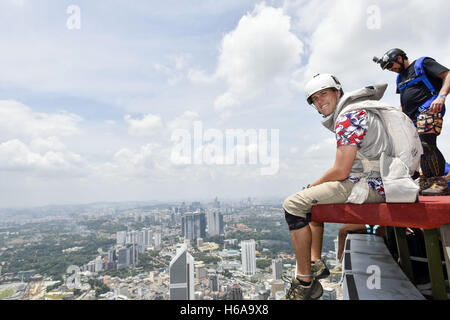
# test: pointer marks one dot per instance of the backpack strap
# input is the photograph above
(420, 77)
(420, 72)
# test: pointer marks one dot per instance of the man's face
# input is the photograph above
(325, 101)
(397, 65)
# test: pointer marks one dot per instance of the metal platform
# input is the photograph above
(370, 273)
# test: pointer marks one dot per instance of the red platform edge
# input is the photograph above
(427, 213)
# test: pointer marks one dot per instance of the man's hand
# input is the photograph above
(437, 105)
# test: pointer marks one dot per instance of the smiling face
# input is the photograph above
(325, 101)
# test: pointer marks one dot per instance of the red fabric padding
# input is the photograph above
(428, 213)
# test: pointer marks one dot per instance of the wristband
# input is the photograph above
(442, 96)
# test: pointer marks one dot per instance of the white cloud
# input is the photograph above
(184, 121)
(200, 76)
(147, 126)
(261, 48)
(16, 119)
(338, 40)
(17, 156)
(47, 144)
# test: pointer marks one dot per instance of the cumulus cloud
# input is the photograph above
(17, 156)
(175, 69)
(184, 121)
(342, 39)
(147, 126)
(199, 76)
(31, 141)
(261, 48)
(17, 119)
(47, 144)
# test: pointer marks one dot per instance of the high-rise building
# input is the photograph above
(122, 256)
(336, 248)
(128, 256)
(140, 238)
(112, 255)
(148, 238)
(181, 273)
(200, 271)
(215, 223)
(213, 283)
(133, 255)
(121, 237)
(98, 264)
(157, 240)
(194, 225)
(248, 254)
(235, 293)
(277, 269)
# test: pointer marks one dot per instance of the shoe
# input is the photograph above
(299, 292)
(319, 269)
(439, 187)
(425, 183)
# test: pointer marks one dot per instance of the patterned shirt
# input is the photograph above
(350, 130)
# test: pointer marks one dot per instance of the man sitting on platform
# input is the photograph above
(355, 176)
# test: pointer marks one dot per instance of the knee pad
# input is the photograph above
(296, 222)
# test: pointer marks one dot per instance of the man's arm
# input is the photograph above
(345, 155)
(437, 105)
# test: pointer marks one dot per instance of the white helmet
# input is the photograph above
(320, 82)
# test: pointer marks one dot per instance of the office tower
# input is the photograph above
(148, 238)
(98, 264)
(122, 256)
(277, 269)
(194, 225)
(213, 283)
(336, 249)
(140, 238)
(133, 255)
(235, 293)
(200, 272)
(215, 223)
(157, 240)
(181, 276)
(112, 255)
(121, 237)
(248, 254)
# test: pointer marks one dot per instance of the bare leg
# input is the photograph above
(343, 232)
(317, 237)
(301, 242)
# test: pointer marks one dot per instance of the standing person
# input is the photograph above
(361, 138)
(423, 86)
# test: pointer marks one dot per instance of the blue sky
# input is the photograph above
(87, 114)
